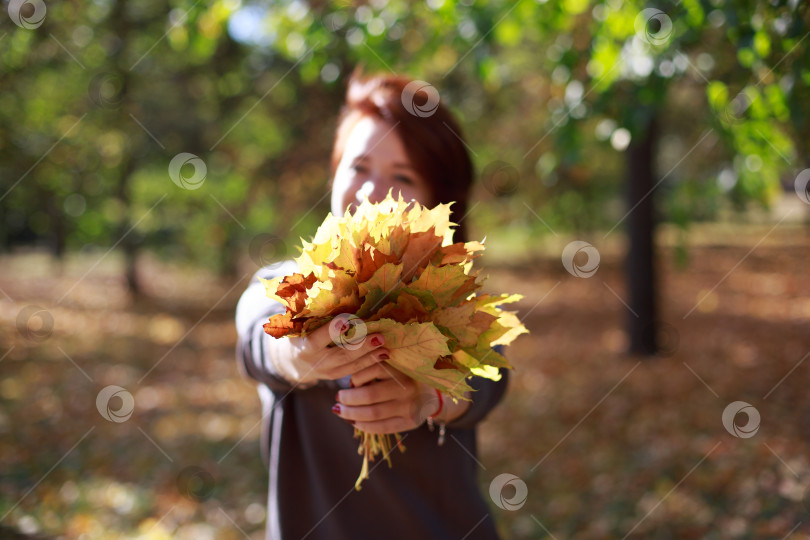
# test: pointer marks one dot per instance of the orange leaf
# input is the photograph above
(407, 309)
(457, 253)
(294, 289)
(417, 253)
(371, 259)
(444, 362)
(282, 324)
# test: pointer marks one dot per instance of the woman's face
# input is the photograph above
(374, 161)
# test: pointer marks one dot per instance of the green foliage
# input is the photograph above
(96, 102)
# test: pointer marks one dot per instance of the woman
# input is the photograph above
(313, 396)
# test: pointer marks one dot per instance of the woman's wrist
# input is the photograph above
(285, 361)
(451, 410)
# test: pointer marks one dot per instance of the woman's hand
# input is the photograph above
(385, 400)
(309, 358)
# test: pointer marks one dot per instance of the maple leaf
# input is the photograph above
(416, 255)
(437, 218)
(291, 290)
(281, 325)
(457, 253)
(336, 294)
(487, 372)
(486, 355)
(444, 282)
(346, 257)
(464, 322)
(386, 278)
(425, 297)
(414, 349)
(371, 259)
(407, 308)
(483, 300)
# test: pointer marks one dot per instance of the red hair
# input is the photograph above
(432, 138)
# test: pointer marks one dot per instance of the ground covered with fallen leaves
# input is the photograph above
(608, 445)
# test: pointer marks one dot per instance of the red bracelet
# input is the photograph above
(441, 405)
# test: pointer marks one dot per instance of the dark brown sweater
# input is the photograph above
(431, 492)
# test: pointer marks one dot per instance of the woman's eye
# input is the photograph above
(359, 169)
(404, 179)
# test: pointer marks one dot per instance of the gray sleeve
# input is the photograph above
(252, 311)
(487, 395)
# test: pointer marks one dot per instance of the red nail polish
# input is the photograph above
(376, 341)
(336, 408)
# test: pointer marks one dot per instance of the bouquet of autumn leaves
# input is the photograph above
(392, 268)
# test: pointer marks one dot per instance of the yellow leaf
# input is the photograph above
(270, 287)
(414, 349)
(509, 320)
(488, 372)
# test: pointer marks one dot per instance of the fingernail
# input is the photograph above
(377, 341)
(336, 408)
(384, 356)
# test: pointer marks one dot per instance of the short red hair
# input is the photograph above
(432, 140)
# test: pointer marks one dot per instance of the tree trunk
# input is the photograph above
(642, 322)
(129, 245)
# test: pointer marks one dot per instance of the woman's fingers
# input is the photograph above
(390, 405)
(336, 332)
(379, 392)
(378, 370)
(343, 357)
(336, 364)
(372, 413)
(320, 338)
(364, 362)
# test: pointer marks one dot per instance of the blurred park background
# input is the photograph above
(154, 154)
